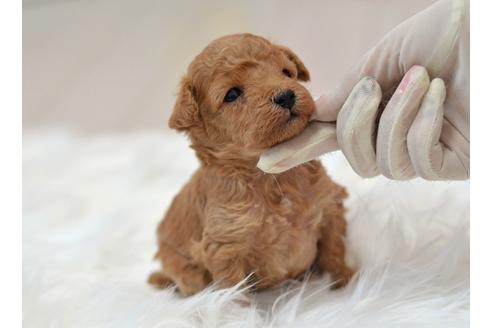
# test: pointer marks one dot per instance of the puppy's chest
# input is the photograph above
(296, 202)
(286, 237)
(270, 212)
(276, 226)
(285, 215)
(265, 206)
(285, 209)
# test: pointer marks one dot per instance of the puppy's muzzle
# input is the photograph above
(285, 99)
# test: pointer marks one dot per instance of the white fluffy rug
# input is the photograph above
(91, 206)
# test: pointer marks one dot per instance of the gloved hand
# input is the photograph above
(422, 130)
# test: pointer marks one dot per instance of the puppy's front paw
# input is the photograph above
(193, 280)
(342, 278)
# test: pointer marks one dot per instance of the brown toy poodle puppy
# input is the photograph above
(241, 96)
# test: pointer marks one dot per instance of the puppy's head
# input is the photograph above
(243, 92)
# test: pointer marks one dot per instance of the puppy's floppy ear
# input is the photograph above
(185, 113)
(302, 71)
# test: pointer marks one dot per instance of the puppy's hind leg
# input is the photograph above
(159, 280)
(189, 276)
(331, 247)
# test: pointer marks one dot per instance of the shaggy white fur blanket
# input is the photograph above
(91, 206)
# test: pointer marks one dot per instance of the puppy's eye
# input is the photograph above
(232, 94)
(286, 72)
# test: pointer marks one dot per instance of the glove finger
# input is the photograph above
(356, 125)
(317, 139)
(431, 159)
(392, 153)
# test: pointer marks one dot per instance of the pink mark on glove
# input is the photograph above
(402, 87)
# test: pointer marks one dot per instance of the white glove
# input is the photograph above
(421, 131)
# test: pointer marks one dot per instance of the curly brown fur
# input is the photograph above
(231, 220)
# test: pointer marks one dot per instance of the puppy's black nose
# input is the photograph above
(285, 99)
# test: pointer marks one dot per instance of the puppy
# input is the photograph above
(241, 96)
